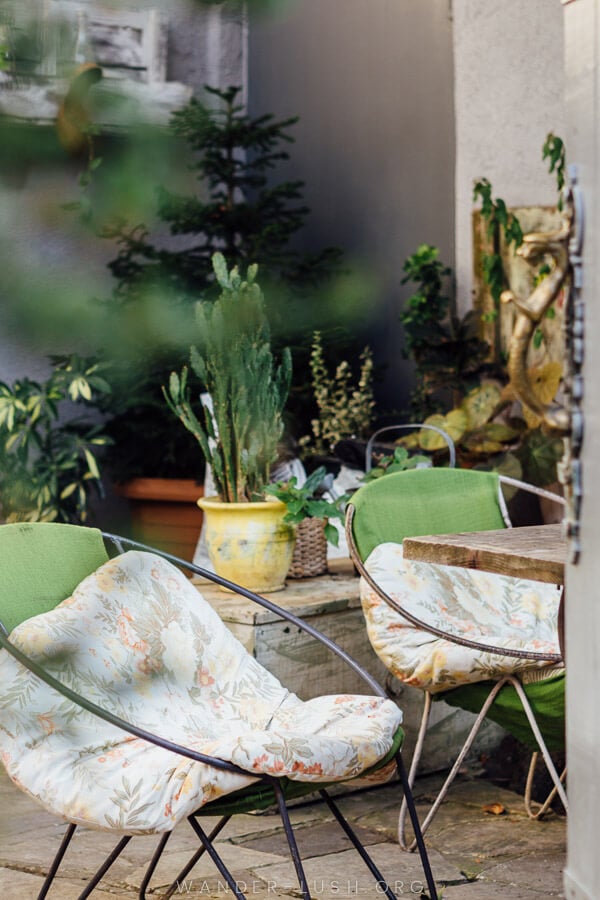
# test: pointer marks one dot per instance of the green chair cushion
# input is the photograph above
(40, 565)
(424, 501)
(547, 700)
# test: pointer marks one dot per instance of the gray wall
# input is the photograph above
(372, 83)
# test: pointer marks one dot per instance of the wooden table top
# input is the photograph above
(536, 552)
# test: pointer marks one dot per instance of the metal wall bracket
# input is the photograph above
(570, 467)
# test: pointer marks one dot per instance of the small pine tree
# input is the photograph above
(238, 212)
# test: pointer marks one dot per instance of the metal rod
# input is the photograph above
(291, 839)
(175, 884)
(153, 864)
(414, 766)
(358, 846)
(217, 859)
(110, 859)
(57, 861)
(416, 827)
(479, 720)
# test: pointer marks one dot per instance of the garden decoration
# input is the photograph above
(239, 436)
(536, 247)
(309, 509)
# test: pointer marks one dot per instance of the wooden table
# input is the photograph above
(536, 552)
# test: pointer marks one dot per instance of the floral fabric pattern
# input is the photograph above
(483, 607)
(137, 638)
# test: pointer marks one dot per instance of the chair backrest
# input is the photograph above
(424, 501)
(40, 565)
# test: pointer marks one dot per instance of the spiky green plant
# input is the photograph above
(248, 389)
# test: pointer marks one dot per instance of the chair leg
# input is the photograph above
(96, 878)
(206, 841)
(545, 806)
(556, 778)
(175, 885)
(418, 831)
(57, 861)
(383, 886)
(414, 765)
(110, 859)
(455, 768)
(291, 839)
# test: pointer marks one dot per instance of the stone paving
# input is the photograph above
(475, 855)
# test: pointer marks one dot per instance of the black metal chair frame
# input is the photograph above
(206, 840)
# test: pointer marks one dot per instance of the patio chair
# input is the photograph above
(127, 705)
(485, 643)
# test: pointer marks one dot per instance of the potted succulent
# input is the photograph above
(310, 511)
(239, 432)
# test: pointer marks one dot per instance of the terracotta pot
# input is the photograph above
(165, 513)
(249, 543)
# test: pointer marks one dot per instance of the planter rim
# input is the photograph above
(169, 489)
(215, 502)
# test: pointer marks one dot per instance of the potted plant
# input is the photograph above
(247, 539)
(310, 511)
(238, 205)
(48, 459)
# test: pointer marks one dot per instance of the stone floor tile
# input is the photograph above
(345, 874)
(26, 886)
(313, 840)
(478, 890)
(239, 861)
(474, 855)
(539, 872)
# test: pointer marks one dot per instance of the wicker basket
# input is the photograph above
(310, 552)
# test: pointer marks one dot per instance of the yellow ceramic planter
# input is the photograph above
(249, 543)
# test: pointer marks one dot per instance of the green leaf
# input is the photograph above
(332, 535)
(91, 462)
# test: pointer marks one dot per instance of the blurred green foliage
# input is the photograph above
(48, 458)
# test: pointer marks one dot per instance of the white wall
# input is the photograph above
(582, 621)
(508, 94)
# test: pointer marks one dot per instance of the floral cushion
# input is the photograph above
(492, 609)
(137, 638)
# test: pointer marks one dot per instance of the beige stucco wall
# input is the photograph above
(508, 94)
(372, 83)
